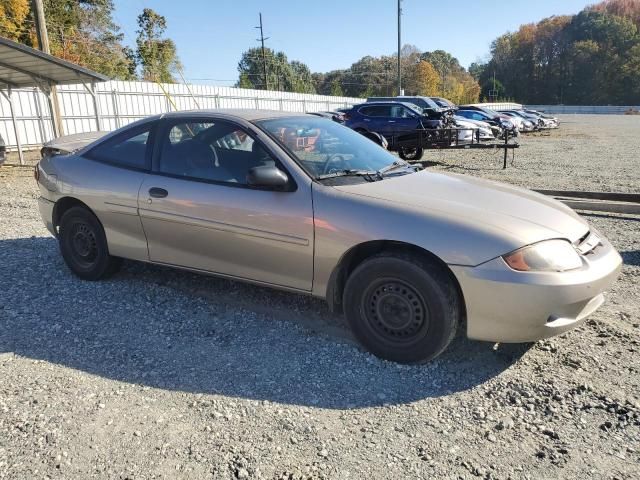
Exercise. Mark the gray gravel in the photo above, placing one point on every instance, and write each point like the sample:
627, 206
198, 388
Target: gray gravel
588, 152
164, 374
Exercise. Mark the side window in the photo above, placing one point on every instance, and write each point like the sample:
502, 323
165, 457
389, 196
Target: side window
183, 153
376, 111
398, 111
129, 151
210, 150
368, 111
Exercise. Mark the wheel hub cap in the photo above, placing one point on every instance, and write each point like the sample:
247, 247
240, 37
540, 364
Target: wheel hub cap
84, 244
395, 310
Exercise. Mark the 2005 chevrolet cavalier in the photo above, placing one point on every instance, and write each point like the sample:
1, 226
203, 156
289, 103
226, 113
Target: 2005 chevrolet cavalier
302, 203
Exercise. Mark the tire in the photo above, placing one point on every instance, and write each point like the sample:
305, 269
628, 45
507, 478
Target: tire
402, 308
411, 153
83, 245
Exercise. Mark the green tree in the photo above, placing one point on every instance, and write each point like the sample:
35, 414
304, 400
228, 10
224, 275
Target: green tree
282, 75
157, 56
476, 70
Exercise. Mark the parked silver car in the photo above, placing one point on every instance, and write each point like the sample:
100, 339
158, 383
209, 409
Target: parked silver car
483, 129
301, 203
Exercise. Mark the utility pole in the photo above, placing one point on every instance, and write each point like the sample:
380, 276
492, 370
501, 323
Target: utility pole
43, 44
264, 58
399, 47
41, 26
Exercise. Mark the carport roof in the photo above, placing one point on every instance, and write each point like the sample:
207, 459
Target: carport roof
22, 66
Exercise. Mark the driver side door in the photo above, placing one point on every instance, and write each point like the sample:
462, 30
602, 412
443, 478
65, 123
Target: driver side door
199, 212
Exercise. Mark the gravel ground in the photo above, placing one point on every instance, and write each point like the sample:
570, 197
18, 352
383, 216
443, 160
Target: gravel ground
165, 374
589, 152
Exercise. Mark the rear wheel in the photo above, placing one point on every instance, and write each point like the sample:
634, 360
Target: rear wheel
83, 245
411, 153
402, 308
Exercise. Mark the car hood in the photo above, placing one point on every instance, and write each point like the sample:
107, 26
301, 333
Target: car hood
472, 123
513, 213
76, 141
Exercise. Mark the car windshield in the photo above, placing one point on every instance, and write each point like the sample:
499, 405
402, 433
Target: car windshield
490, 113
430, 103
324, 147
415, 108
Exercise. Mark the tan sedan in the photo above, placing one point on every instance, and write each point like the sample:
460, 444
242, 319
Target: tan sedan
304, 204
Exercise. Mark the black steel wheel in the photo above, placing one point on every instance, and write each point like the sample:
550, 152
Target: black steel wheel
402, 307
395, 310
84, 246
409, 154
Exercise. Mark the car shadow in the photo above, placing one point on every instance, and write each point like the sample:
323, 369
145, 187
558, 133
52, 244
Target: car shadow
175, 330
631, 257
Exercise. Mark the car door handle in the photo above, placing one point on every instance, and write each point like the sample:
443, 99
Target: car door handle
367, 120
156, 192
391, 121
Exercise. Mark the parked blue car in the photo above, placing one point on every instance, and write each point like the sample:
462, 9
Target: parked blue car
393, 120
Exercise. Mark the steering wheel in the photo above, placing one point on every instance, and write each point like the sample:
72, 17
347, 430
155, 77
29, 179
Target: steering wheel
336, 157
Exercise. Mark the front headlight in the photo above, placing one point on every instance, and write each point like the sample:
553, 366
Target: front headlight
547, 256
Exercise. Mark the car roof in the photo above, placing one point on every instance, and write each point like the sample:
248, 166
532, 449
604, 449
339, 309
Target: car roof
248, 114
386, 102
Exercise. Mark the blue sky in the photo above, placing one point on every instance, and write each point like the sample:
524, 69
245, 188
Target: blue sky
330, 34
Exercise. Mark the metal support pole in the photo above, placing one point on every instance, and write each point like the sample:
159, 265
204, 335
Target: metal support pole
36, 98
399, 47
7, 95
116, 113
57, 127
96, 104
506, 140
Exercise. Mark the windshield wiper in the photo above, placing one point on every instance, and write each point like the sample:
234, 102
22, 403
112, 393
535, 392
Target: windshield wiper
392, 166
369, 175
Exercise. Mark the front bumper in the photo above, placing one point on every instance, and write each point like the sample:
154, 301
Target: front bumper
504, 305
46, 212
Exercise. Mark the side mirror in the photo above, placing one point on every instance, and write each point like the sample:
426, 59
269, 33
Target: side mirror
267, 176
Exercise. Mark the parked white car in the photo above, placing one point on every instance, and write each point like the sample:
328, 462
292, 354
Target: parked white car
485, 129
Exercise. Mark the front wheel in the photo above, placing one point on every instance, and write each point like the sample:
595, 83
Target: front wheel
402, 308
83, 245
410, 154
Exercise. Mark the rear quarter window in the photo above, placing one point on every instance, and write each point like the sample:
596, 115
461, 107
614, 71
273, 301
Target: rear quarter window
128, 150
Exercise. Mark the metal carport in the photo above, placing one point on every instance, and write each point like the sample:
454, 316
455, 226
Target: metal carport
22, 66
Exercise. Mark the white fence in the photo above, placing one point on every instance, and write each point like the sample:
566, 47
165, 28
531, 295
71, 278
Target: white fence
500, 106
585, 109
565, 109
120, 103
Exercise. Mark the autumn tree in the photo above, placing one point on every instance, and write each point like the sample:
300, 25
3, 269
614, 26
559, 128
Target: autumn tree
80, 31
588, 58
423, 79
13, 17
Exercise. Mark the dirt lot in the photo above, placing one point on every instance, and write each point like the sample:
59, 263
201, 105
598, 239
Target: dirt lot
164, 374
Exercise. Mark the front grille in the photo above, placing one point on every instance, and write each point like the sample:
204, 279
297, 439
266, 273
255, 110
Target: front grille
588, 243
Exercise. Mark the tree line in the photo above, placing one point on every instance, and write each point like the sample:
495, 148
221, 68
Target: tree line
591, 58
435, 73
84, 32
